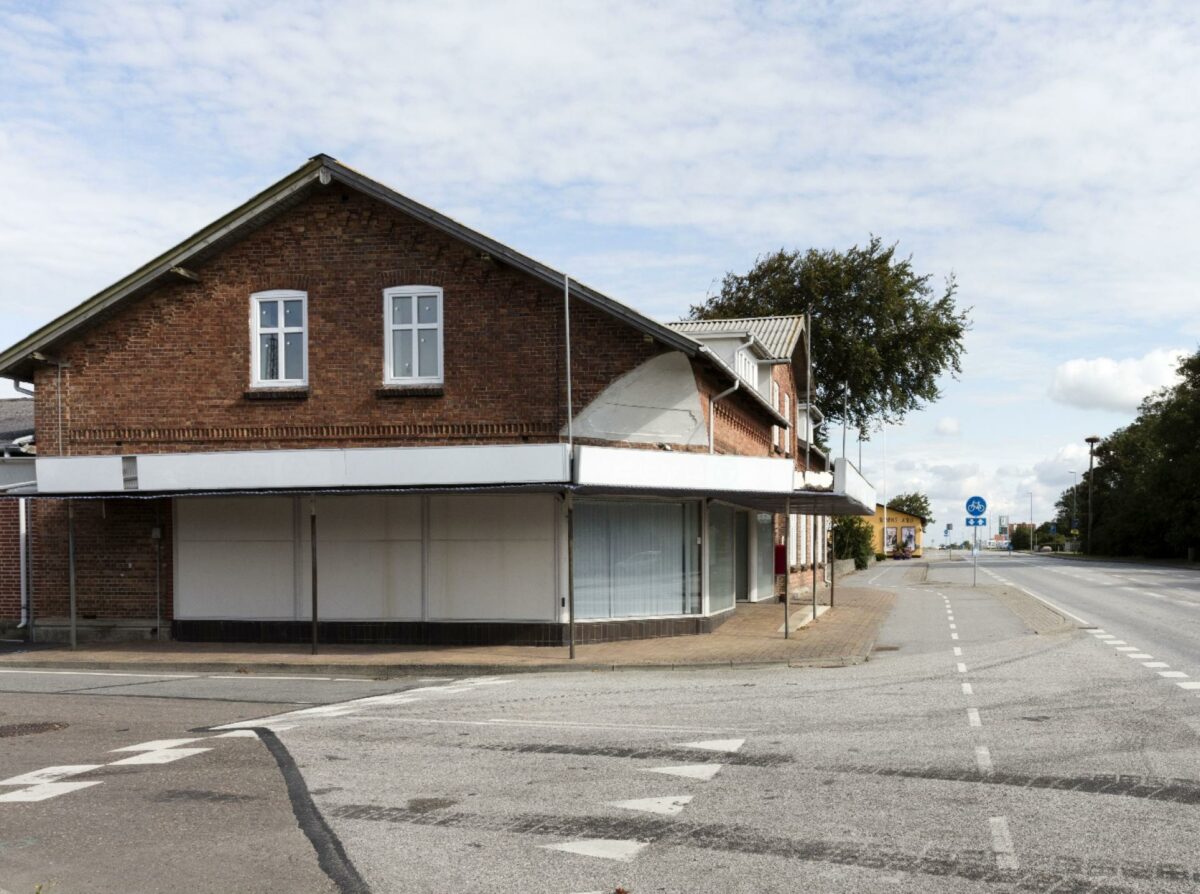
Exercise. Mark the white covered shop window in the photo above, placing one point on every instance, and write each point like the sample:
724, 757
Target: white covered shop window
413, 327
279, 338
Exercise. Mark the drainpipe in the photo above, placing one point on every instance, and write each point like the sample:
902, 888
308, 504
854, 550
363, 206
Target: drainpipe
712, 411
23, 545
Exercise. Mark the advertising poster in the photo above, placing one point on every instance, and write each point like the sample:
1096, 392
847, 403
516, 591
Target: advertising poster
889, 540
909, 537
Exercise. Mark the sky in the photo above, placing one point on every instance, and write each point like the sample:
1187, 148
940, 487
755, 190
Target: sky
1044, 153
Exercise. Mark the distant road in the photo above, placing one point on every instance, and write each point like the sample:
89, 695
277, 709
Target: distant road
1153, 607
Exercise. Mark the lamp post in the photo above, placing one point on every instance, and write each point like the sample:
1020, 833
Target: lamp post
1074, 498
1032, 529
1092, 441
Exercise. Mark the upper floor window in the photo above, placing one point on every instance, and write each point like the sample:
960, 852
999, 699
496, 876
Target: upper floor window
279, 349
775, 404
747, 369
786, 412
412, 335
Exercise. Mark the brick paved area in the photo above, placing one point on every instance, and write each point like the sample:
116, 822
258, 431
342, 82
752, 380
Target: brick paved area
844, 634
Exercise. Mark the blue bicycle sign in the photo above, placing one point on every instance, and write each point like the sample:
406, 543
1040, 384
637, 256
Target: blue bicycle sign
976, 506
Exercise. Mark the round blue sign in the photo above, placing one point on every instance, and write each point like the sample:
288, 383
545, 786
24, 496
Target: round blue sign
977, 506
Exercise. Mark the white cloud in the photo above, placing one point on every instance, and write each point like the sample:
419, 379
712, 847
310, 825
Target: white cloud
947, 426
1104, 383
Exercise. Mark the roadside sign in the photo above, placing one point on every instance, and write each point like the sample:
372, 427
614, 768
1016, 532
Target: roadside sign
976, 506
1053, 529
977, 522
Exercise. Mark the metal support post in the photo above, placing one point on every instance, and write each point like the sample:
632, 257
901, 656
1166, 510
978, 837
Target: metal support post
71, 566
814, 568
787, 566
975, 559
312, 503
833, 562
570, 504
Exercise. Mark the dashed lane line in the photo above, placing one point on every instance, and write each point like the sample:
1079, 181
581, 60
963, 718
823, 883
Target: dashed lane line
973, 717
966, 688
983, 759
670, 805
1002, 845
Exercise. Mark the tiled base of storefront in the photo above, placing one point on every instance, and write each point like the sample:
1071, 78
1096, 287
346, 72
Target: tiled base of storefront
440, 633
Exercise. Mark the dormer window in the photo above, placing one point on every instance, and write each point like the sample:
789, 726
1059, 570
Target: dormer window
279, 332
747, 368
412, 335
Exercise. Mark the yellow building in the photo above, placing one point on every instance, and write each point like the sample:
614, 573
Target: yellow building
903, 531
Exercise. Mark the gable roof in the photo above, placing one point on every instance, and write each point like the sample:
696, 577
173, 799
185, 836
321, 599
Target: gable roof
879, 506
778, 335
17, 362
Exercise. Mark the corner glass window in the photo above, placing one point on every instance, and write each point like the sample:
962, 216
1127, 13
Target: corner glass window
412, 335
279, 338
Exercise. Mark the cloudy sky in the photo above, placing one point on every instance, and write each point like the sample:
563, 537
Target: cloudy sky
1046, 154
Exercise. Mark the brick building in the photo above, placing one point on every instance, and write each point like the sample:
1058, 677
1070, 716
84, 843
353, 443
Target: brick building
485, 450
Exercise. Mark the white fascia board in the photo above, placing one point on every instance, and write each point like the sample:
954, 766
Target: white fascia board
356, 467
79, 474
847, 480
660, 469
813, 480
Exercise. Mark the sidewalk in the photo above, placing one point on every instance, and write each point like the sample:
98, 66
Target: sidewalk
840, 636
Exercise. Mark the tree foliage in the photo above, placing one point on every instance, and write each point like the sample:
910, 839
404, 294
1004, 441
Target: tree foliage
881, 334
915, 503
1145, 488
853, 539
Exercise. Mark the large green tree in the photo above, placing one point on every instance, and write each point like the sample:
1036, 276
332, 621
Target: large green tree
1144, 491
882, 334
915, 503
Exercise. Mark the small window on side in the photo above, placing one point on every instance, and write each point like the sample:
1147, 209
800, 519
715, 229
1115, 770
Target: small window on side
279, 339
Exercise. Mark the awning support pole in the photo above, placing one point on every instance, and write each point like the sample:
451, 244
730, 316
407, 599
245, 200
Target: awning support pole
814, 568
570, 504
832, 562
71, 566
312, 503
787, 566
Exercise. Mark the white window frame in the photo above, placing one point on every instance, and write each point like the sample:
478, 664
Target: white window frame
388, 327
277, 295
747, 368
786, 413
775, 404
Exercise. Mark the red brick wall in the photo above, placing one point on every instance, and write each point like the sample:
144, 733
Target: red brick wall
115, 557
10, 561
169, 370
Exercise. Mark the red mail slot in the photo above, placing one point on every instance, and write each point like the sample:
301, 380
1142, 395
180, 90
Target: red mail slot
780, 559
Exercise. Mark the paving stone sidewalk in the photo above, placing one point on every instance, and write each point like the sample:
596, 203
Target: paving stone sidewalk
845, 634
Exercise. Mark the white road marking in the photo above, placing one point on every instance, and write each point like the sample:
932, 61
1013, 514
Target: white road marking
1002, 844
953, 626
1057, 608
1172, 675
156, 745
237, 734
623, 850
71, 673
1115, 642
729, 746
1155, 664
1190, 684
962, 668
45, 791
954, 636
1129, 649
966, 688
166, 756
1138, 655
958, 651
50, 774
983, 759
689, 771
973, 717
1103, 636
669, 806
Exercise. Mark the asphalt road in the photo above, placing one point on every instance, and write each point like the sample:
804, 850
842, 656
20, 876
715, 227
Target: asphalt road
970, 755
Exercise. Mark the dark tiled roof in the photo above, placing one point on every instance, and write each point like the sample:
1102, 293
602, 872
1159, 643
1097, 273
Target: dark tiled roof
16, 419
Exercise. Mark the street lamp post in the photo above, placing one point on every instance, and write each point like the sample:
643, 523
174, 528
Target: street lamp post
1074, 498
1032, 529
1092, 441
